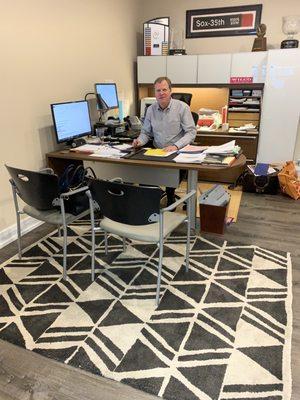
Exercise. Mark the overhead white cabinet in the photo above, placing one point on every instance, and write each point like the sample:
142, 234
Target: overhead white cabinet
214, 68
252, 64
151, 67
279, 70
182, 69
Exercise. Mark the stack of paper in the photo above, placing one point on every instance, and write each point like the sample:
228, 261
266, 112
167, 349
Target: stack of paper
108, 152
189, 158
217, 159
122, 147
86, 148
191, 149
225, 149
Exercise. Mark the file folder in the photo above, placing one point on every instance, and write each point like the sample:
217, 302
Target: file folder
261, 169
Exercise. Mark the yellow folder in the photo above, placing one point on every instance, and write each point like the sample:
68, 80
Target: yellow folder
157, 153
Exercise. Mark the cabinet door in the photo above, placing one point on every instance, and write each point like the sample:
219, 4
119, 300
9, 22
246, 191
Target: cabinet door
280, 109
182, 69
151, 67
249, 65
214, 68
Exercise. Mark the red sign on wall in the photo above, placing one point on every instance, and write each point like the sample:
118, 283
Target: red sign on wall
241, 79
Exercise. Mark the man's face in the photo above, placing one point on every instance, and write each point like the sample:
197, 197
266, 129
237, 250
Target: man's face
162, 93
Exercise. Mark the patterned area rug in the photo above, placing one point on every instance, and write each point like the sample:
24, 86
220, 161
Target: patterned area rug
222, 331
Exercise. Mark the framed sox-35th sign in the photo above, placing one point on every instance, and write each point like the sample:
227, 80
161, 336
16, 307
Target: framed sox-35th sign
225, 21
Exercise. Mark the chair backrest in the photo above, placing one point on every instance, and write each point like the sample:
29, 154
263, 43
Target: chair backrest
185, 97
195, 117
127, 203
36, 189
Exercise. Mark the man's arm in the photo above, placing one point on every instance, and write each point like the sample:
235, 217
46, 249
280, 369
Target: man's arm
188, 126
146, 132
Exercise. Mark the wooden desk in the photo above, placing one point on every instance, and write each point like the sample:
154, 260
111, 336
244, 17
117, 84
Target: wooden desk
58, 161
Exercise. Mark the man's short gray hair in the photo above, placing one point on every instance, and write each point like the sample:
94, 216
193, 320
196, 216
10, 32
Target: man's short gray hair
163, 78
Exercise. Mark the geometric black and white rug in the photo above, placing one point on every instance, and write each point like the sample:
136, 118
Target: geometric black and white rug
222, 331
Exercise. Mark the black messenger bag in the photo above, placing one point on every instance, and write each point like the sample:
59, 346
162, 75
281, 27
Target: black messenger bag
267, 184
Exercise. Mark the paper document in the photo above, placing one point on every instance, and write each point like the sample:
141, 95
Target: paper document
86, 148
122, 146
261, 169
222, 149
271, 170
158, 153
189, 158
192, 149
108, 152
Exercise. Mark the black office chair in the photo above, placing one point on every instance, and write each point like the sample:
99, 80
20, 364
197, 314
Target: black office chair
134, 212
44, 202
185, 97
195, 117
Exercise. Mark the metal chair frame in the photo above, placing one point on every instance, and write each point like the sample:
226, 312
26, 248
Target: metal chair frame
161, 221
66, 219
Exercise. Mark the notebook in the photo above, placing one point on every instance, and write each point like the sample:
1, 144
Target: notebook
261, 169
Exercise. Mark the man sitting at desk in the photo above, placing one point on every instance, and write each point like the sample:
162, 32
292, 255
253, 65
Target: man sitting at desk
168, 122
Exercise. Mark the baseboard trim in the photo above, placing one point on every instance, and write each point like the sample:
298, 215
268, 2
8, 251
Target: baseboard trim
9, 234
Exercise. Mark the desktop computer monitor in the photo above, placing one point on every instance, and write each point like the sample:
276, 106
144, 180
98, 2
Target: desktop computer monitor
71, 121
107, 96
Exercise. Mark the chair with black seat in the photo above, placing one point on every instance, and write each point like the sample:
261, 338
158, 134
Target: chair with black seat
44, 202
133, 212
185, 97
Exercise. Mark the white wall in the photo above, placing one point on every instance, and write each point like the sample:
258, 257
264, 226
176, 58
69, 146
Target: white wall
52, 51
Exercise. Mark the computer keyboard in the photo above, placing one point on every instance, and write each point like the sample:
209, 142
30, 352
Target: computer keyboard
131, 134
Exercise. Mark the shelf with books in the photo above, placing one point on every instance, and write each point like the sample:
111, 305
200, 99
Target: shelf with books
244, 100
244, 110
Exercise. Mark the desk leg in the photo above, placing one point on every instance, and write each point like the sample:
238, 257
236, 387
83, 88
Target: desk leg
192, 185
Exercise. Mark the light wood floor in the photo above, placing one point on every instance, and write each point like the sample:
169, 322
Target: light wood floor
268, 221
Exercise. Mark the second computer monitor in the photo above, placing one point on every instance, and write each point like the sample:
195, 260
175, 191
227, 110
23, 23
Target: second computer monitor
71, 121
107, 96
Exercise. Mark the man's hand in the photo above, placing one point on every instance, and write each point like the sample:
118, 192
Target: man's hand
136, 143
171, 148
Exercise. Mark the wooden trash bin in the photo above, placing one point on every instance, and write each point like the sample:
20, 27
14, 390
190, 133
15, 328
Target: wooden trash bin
213, 218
